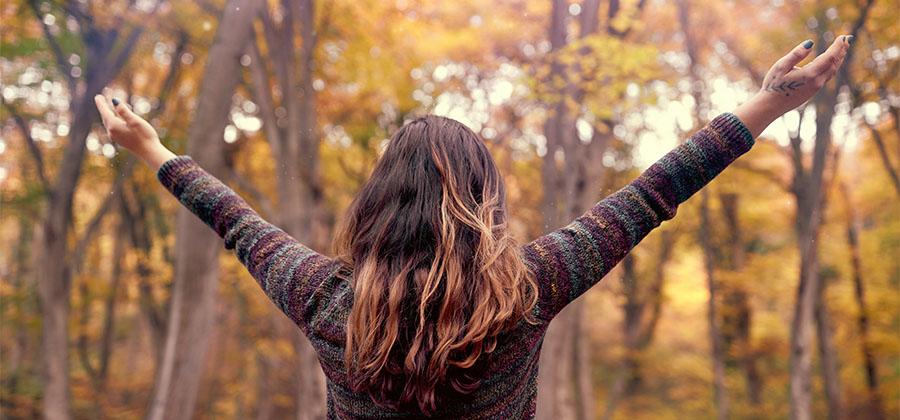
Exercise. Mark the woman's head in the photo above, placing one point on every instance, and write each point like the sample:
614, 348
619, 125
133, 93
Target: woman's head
436, 274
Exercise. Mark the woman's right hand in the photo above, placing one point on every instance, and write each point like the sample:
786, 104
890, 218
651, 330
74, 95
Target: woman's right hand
132, 132
787, 86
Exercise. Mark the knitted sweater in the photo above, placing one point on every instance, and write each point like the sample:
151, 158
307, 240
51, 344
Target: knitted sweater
566, 262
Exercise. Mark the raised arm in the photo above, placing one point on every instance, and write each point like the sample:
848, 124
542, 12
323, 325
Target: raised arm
571, 259
289, 273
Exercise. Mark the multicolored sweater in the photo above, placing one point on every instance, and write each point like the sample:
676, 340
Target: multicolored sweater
567, 262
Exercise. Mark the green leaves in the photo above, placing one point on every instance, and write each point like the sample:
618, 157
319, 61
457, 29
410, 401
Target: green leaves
598, 67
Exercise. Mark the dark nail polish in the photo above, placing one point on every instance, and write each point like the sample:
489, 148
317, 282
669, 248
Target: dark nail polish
115, 102
849, 39
808, 44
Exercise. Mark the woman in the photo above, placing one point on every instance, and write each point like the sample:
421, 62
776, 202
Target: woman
429, 306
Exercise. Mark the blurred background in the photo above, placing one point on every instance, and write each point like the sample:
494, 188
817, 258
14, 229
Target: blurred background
773, 293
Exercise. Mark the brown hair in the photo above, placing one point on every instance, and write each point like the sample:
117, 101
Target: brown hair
436, 273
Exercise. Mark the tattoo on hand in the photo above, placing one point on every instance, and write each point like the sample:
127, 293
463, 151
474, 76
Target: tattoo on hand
784, 87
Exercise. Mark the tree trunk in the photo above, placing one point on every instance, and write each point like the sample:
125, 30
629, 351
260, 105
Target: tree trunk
581, 367
565, 197
294, 144
809, 191
53, 262
197, 246
21, 355
718, 359
738, 317
99, 374
555, 399
265, 405
53, 288
873, 407
801, 326
311, 397
705, 229
629, 326
642, 309
565, 387
137, 225
54, 271
828, 357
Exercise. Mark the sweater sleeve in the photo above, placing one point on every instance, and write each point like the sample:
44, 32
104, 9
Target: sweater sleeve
570, 260
289, 273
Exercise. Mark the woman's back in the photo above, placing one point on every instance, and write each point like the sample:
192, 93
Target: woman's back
508, 375
317, 293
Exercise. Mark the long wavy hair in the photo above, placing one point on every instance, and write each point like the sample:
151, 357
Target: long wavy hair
436, 274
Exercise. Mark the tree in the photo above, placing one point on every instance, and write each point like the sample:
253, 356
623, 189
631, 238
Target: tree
572, 93
808, 188
104, 51
196, 268
705, 233
294, 144
874, 408
737, 314
642, 309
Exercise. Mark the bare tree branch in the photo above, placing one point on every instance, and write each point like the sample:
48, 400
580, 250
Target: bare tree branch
172, 76
843, 76
62, 63
745, 62
137, 226
32, 145
73, 8
125, 51
833, 175
857, 99
765, 173
259, 88
281, 49
357, 176
97, 219
885, 158
82, 346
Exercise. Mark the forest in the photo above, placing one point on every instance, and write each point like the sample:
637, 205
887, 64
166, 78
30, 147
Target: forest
774, 293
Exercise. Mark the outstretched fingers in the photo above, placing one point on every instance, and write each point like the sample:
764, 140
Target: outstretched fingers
826, 64
125, 112
106, 112
787, 63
